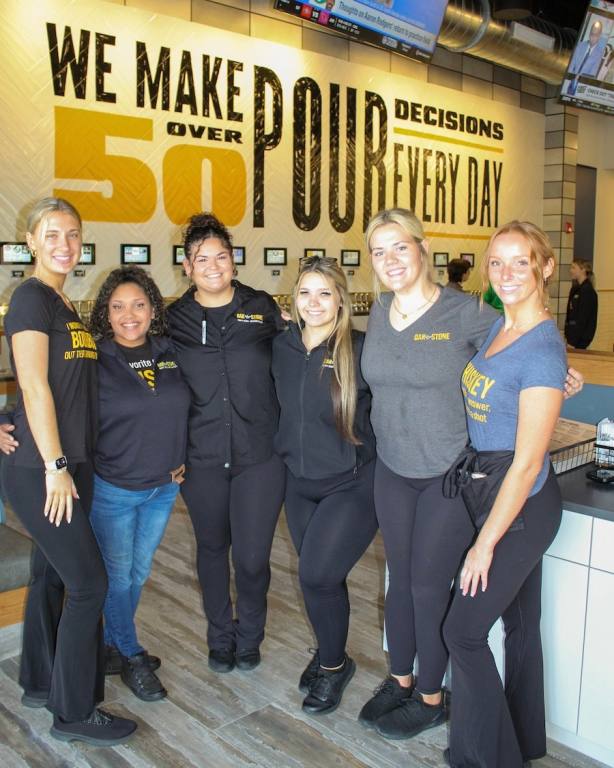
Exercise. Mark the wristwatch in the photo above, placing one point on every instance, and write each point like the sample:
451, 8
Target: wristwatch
58, 465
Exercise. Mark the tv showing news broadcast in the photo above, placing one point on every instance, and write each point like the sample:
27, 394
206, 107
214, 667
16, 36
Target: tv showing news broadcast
589, 80
404, 26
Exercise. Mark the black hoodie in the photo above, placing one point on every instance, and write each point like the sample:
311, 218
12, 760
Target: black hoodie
234, 411
308, 440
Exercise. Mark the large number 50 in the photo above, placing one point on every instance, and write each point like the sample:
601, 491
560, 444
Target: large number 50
81, 154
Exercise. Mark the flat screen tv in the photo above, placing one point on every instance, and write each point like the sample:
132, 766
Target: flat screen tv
589, 80
407, 27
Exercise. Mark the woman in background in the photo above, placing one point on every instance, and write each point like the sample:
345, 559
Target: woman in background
518, 377
581, 318
48, 482
143, 417
234, 485
326, 441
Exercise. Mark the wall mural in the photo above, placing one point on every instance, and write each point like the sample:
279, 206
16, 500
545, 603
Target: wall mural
141, 120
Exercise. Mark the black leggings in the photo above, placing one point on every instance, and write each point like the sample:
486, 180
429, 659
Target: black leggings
62, 655
425, 536
332, 522
491, 728
236, 507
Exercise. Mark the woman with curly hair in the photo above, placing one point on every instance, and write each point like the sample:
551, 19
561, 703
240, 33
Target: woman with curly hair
223, 332
142, 396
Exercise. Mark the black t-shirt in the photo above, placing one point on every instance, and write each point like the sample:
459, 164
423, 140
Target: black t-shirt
35, 306
140, 360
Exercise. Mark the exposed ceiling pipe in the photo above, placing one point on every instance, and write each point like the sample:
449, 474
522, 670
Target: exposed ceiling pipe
468, 27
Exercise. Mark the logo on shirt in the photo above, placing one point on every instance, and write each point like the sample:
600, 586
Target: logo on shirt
167, 364
476, 387
244, 317
445, 336
328, 362
82, 342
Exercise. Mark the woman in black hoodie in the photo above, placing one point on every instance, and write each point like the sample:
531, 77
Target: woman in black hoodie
327, 444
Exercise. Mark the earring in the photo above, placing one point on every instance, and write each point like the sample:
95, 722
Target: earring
33, 252
235, 271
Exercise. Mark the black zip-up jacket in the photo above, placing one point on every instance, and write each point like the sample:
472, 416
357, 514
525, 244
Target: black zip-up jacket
142, 432
308, 440
234, 412
581, 319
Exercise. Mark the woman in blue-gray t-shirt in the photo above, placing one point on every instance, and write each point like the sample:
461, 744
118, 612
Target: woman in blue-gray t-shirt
513, 391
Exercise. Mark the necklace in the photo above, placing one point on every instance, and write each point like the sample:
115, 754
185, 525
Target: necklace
405, 315
520, 326
62, 295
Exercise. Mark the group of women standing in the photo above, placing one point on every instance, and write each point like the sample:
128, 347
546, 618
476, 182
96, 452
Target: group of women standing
276, 413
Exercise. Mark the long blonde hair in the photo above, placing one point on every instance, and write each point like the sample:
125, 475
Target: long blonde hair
540, 253
411, 225
340, 347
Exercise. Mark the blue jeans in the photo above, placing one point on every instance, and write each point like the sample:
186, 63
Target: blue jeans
129, 526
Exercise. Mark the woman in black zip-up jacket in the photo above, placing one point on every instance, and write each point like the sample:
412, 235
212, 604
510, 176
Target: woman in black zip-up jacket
234, 485
326, 441
143, 405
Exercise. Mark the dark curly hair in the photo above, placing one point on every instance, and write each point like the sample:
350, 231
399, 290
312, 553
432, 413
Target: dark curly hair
99, 319
200, 227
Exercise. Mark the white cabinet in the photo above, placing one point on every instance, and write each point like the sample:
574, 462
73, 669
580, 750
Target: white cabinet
597, 700
573, 541
578, 635
563, 611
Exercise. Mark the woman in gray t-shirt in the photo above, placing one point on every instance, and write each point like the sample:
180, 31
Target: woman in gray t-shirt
419, 339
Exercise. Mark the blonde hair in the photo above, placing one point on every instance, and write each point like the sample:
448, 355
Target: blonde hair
340, 347
586, 267
45, 207
411, 225
540, 252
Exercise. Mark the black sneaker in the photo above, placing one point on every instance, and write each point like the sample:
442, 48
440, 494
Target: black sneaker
310, 672
411, 718
326, 691
113, 661
388, 695
222, 659
100, 729
248, 659
34, 700
138, 676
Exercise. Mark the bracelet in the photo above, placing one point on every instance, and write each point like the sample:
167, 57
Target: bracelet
56, 471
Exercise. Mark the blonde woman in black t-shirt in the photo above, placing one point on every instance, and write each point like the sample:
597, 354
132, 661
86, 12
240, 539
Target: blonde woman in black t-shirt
48, 482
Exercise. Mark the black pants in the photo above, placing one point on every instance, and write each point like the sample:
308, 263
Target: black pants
62, 654
490, 727
236, 508
425, 536
332, 522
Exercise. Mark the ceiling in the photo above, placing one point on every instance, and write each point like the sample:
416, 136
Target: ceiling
563, 13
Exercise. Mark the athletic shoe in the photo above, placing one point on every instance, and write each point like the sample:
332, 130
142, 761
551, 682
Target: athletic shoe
248, 659
139, 677
100, 729
411, 718
113, 661
326, 691
388, 695
34, 700
310, 672
222, 659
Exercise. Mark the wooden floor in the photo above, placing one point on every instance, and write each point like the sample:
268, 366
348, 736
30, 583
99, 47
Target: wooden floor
239, 719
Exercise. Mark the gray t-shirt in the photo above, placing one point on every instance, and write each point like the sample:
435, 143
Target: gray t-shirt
418, 413
492, 386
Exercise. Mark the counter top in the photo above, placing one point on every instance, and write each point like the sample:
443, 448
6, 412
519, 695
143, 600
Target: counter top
586, 497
